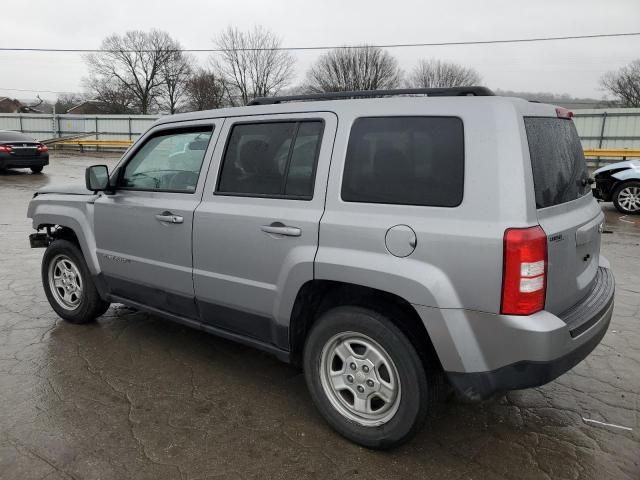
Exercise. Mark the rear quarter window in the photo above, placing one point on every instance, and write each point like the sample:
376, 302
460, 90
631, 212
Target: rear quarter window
557, 161
405, 161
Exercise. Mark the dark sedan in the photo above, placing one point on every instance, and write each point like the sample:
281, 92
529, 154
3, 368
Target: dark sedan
18, 150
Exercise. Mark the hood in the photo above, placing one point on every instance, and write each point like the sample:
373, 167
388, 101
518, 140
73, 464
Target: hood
69, 189
614, 166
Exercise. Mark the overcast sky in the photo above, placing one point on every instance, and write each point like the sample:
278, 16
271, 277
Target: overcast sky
572, 66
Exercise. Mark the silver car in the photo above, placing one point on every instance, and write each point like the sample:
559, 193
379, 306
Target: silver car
390, 246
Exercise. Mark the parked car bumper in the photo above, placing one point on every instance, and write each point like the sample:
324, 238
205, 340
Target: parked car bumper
8, 160
598, 193
489, 353
604, 187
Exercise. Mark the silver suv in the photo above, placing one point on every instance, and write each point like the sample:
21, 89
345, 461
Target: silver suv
389, 246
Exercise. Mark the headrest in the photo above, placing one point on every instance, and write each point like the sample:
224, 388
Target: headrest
198, 145
254, 159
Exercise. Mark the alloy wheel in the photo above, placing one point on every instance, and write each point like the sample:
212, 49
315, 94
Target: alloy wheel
629, 198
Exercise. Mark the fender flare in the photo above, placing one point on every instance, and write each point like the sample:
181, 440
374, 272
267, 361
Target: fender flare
72, 217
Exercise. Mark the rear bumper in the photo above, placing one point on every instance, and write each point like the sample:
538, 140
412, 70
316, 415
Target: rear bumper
12, 161
484, 354
527, 373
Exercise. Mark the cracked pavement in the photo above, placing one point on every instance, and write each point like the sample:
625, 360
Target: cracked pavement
134, 396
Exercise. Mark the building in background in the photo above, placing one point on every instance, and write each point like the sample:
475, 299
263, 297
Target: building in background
90, 107
11, 105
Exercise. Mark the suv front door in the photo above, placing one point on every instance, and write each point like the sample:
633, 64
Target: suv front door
256, 230
143, 230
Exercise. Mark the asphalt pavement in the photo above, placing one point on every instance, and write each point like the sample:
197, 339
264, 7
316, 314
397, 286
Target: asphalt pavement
134, 396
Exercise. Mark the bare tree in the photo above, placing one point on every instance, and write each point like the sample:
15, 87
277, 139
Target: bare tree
624, 84
440, 74
66, 101
251, 64
37, 102
133, 61
362, 68
175, 72
114, 97
205, 91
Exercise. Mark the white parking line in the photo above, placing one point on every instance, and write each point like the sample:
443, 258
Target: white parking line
588, 420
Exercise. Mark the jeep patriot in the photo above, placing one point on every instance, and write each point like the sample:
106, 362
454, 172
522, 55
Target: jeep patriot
390, 243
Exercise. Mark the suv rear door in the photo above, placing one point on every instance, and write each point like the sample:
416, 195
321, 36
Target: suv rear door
566, 209
256, 231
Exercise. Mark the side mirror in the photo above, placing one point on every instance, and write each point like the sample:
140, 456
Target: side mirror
96, 178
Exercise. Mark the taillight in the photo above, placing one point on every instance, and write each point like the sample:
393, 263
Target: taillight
524, 276
42, 148
564, 113
5, 149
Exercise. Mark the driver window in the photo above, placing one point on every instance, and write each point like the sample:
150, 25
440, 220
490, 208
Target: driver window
169, 161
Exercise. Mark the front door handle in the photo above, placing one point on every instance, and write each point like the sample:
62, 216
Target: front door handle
168, 217
278, 228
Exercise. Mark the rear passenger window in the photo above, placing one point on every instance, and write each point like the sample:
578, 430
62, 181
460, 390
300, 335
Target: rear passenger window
275, 159
406, 161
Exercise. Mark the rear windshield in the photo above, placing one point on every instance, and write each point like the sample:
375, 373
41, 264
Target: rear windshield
557, 160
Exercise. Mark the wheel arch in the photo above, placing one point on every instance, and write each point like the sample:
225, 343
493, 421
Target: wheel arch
316, 297
72, 222
618, 187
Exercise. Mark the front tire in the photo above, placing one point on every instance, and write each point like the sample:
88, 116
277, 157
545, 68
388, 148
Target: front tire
366, 377
626, 197
37, 169
68, 284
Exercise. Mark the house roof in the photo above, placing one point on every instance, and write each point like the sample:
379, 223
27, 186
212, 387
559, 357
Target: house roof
86, 102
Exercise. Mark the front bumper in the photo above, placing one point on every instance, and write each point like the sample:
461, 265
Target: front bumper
8, 160
603, 188
598, 193
483, 354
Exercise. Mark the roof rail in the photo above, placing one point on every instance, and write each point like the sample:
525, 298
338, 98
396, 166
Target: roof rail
430, 92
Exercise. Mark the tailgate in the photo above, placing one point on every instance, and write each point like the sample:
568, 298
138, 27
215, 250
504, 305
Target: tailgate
566, 210
573, 249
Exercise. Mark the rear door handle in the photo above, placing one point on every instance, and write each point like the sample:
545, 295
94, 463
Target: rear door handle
168, 217
278, 228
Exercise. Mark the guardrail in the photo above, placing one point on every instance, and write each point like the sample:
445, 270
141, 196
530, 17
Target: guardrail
97, 144
610, 155
611, 152
614, 154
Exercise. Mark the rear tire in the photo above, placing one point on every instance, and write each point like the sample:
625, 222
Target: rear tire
68, 284
37, 169
353, 349
626, 197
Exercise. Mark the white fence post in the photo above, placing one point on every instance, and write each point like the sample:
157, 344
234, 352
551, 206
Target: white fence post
53, 122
